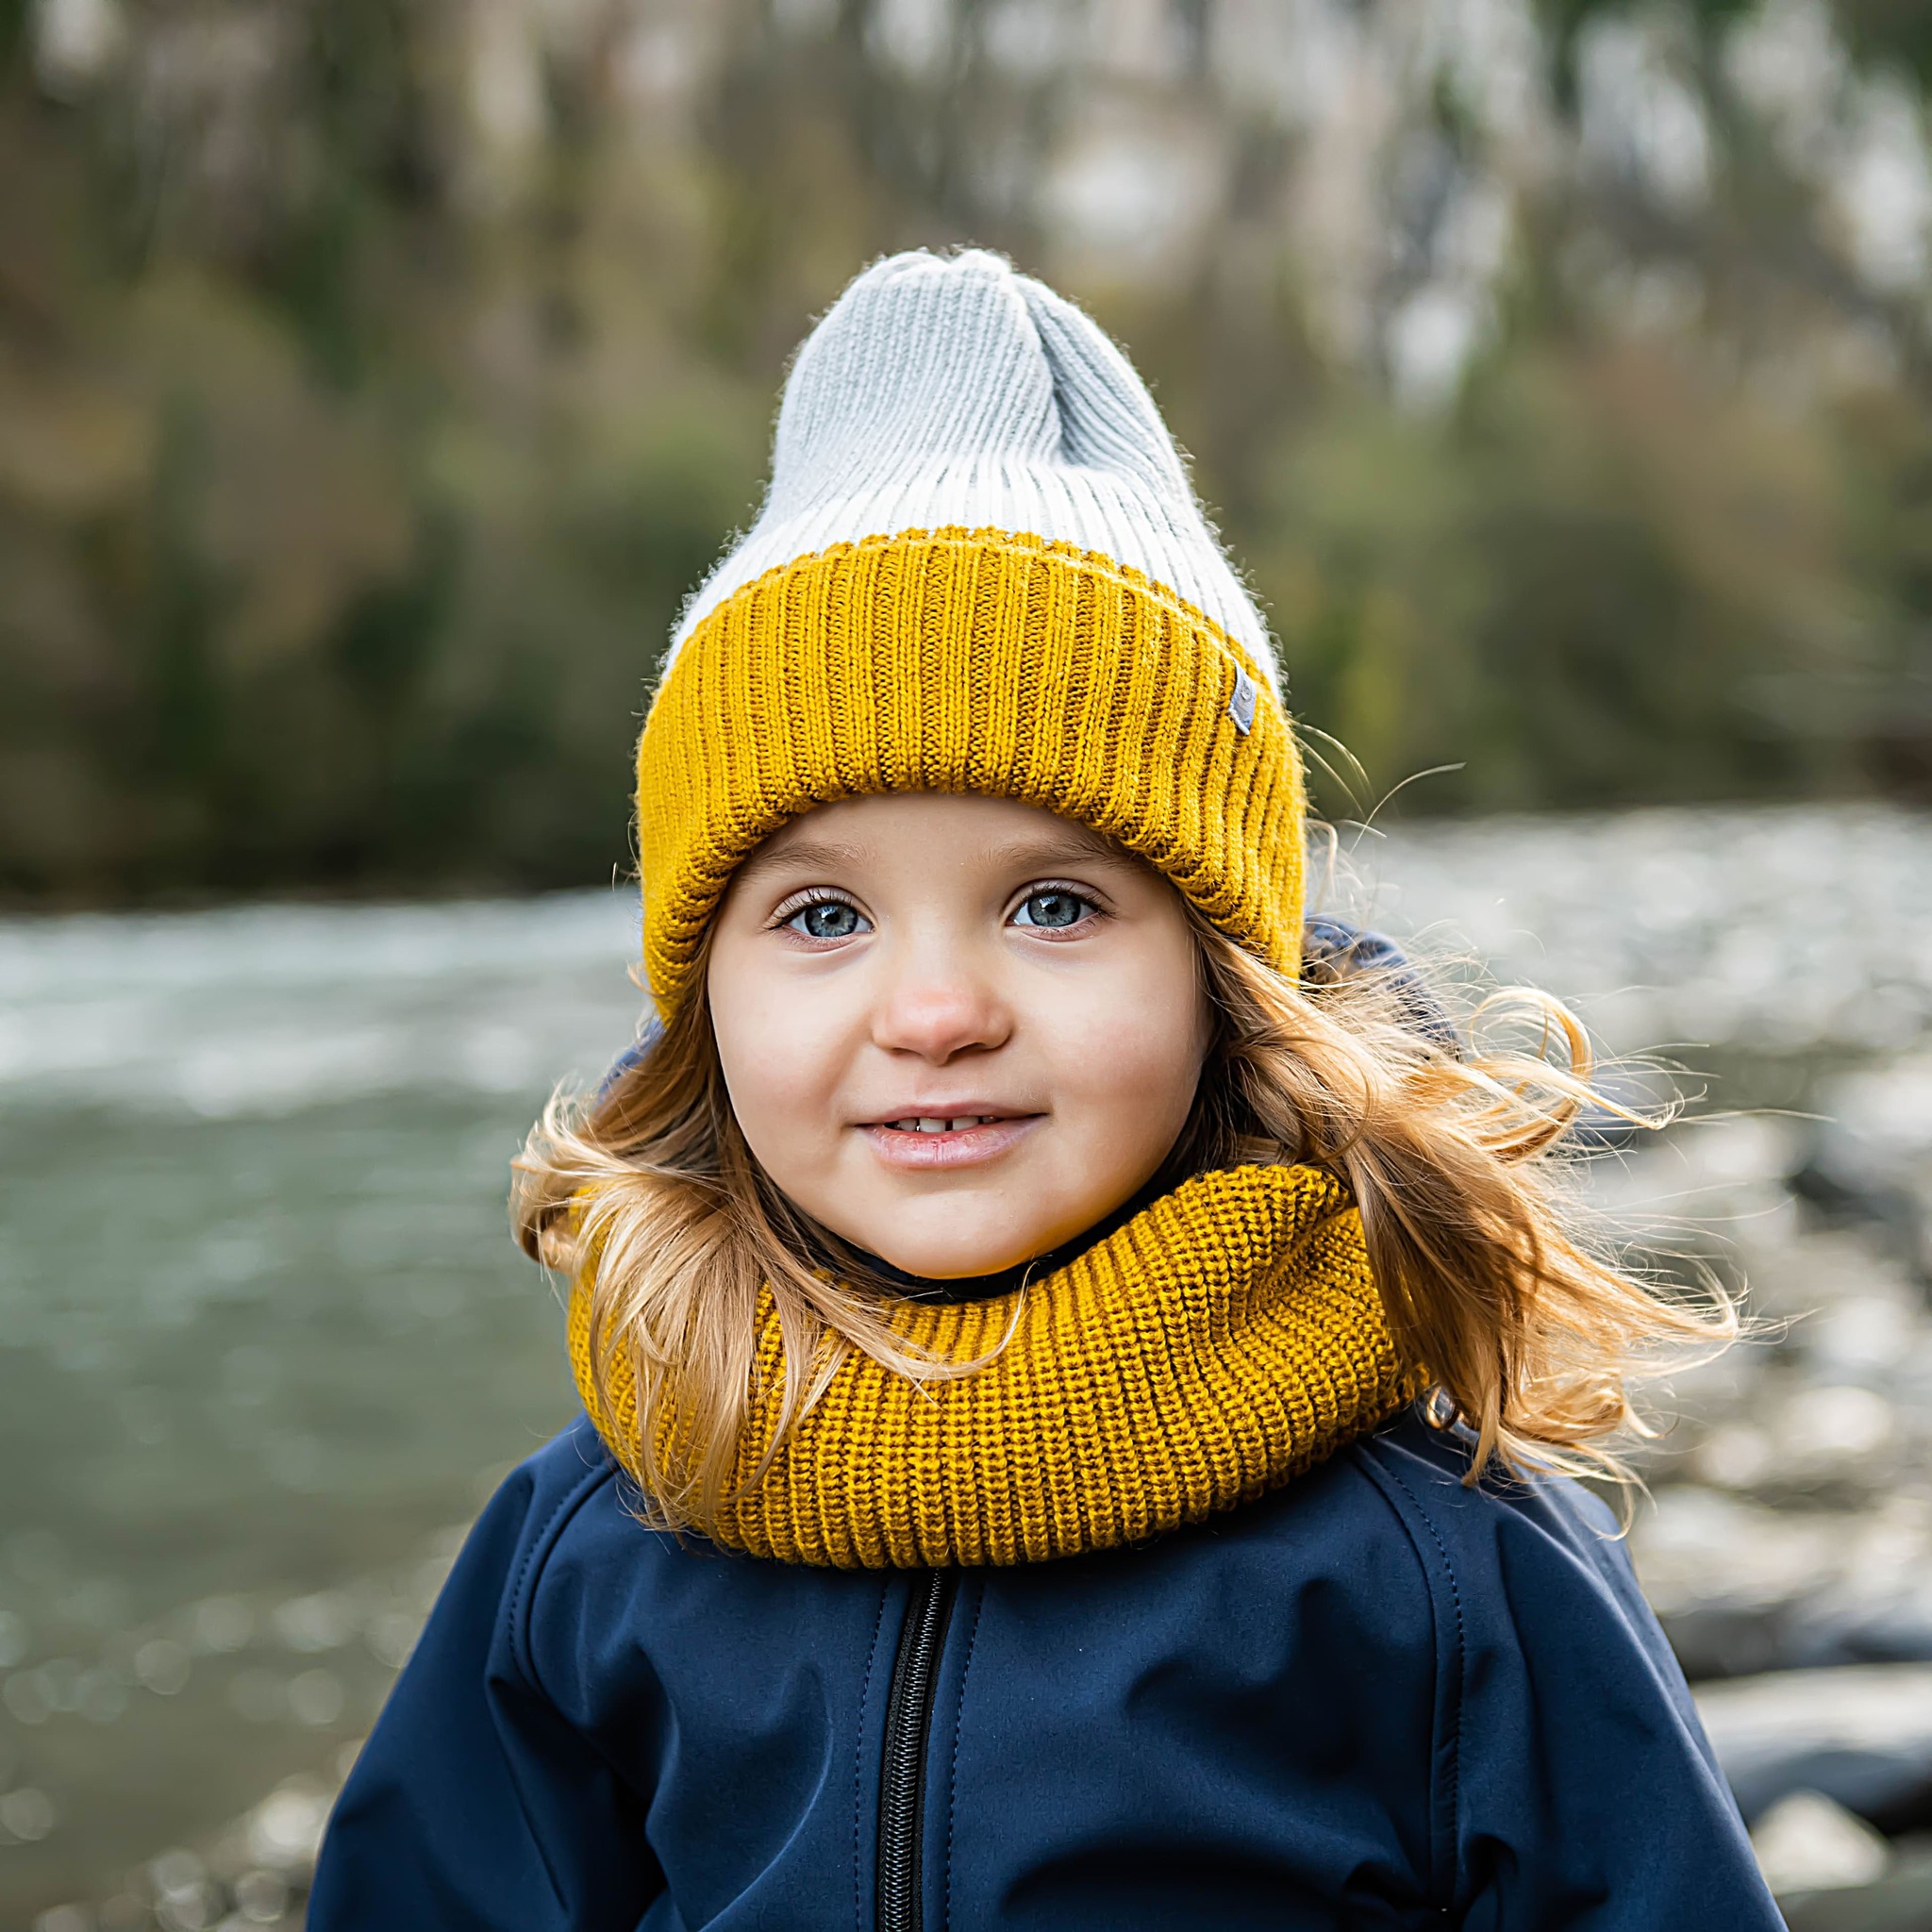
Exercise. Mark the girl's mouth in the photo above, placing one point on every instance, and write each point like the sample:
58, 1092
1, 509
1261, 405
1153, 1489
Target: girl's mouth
961, 1139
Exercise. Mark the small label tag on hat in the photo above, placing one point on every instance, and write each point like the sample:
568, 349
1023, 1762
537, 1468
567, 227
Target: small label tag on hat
1241, 707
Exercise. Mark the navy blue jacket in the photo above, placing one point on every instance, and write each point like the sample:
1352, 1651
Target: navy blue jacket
1374, 1699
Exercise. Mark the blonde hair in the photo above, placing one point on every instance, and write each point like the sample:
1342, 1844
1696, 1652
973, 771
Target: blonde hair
1532, 1332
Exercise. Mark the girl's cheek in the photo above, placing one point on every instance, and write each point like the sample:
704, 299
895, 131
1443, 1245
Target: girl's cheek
1141, 1021
783, 1056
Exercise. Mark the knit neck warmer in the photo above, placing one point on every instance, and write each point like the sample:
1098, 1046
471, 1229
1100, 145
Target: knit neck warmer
1225, 1339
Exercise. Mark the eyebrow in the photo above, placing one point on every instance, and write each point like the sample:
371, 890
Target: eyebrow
1072, 843
809, 855
1075, 844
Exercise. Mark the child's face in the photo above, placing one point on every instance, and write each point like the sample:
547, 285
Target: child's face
886, 964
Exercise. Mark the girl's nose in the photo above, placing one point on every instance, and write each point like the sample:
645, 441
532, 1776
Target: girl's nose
938, 1013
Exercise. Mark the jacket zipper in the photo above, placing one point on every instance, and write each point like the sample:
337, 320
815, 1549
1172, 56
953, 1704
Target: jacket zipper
898, 1900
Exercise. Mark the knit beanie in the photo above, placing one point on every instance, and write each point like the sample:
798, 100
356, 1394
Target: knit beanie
979, 567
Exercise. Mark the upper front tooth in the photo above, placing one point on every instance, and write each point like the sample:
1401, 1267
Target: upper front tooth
965, 1120
927, 1125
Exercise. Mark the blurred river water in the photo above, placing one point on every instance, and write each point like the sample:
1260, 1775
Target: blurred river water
265, 1344
264, 1341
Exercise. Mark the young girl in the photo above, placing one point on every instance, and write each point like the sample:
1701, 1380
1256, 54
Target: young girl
1078, 1380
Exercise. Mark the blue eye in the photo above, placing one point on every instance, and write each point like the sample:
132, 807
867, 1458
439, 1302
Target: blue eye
827, 919
1053, 910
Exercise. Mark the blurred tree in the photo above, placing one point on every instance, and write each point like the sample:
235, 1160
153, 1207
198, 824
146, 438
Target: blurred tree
375, 377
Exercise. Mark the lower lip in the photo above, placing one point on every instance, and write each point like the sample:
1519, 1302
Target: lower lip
965, 1147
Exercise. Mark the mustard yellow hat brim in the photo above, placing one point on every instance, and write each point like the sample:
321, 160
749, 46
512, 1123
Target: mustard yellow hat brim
968, 660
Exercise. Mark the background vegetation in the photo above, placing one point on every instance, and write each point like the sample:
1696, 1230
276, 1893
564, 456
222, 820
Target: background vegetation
376, 375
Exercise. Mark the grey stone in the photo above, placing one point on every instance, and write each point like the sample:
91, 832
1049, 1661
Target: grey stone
1861, 1735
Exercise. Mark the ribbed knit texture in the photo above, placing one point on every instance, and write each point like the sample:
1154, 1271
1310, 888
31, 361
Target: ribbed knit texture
1222, 1341
966, 661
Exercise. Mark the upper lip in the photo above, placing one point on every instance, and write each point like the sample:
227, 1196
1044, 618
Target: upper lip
949, 1110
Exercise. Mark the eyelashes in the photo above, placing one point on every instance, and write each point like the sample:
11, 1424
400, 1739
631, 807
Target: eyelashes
1055, 909
1048, 907
823, 917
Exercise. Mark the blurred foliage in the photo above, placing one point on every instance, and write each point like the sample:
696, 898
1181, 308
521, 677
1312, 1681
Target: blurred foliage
375, 377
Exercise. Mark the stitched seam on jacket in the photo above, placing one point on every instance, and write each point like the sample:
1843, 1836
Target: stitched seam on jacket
528, 1572
1461, 1668
871, 1657
953, 1757
522, 1591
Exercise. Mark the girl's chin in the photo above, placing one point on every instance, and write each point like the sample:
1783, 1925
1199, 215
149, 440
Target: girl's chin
962, 1241
969, 1249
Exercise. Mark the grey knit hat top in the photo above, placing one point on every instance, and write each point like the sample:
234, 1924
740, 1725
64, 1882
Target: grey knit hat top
944, 390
